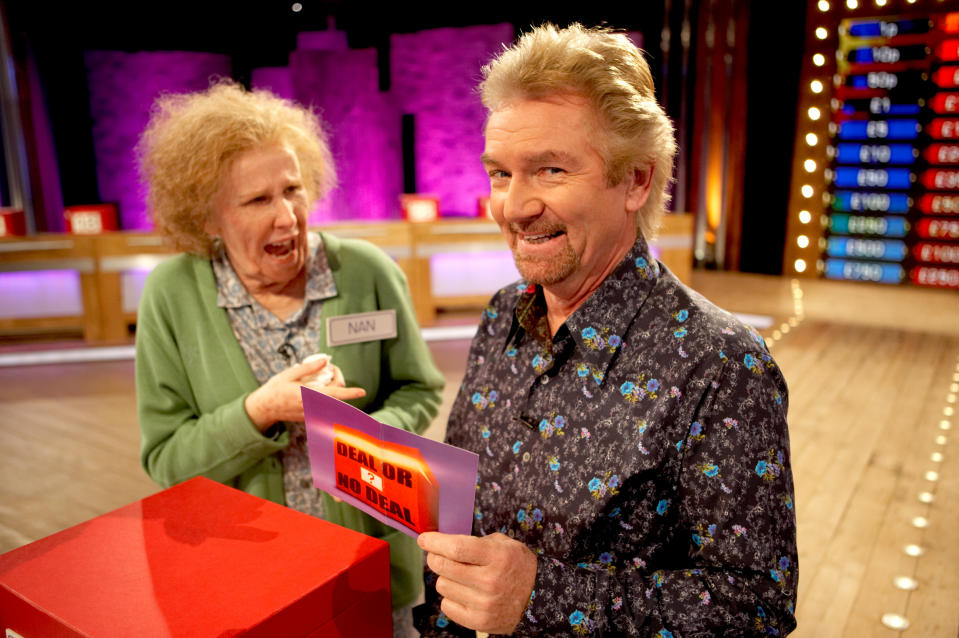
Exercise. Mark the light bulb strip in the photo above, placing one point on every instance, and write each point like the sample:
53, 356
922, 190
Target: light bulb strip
909, 582
802, 250
791, 322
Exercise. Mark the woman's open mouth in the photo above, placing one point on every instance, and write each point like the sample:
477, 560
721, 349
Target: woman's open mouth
282, 248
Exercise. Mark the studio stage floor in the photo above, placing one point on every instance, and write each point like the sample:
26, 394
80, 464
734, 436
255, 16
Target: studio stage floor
873, 374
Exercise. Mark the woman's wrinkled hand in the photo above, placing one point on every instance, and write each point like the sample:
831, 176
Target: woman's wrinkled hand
279, 399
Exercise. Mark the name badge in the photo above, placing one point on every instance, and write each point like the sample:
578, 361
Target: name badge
363, 326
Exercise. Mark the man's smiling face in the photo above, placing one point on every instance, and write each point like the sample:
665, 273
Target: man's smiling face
566, 226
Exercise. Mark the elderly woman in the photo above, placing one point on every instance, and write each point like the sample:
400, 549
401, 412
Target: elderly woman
223, 330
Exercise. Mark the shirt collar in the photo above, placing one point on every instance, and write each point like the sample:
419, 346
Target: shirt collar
231, 293
598, 325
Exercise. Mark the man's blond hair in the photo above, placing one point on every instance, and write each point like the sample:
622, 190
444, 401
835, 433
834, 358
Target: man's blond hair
608, 70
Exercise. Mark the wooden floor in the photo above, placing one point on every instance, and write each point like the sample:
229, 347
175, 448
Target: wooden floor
873, 374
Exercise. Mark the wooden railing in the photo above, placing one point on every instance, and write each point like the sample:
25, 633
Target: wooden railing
101, 260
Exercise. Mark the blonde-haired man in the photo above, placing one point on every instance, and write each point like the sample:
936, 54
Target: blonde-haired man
634, 472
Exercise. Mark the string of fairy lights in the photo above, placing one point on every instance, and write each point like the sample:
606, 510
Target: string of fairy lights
798, 314
802, 250
927, 499
931, 476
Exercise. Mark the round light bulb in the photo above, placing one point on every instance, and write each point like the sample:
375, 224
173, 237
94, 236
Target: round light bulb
816, 86
800, 265
802, 241
895, 621
814, 113
807, 191
822, 33
905, 583
812, 139
819, 59
805, 216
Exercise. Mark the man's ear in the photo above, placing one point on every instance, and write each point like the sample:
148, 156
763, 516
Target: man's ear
639, 186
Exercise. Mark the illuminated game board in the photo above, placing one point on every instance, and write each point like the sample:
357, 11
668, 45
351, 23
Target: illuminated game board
876, 173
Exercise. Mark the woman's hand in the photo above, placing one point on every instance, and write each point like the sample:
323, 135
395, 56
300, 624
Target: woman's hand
279, 399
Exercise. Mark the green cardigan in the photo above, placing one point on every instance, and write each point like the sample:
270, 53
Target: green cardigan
192, 378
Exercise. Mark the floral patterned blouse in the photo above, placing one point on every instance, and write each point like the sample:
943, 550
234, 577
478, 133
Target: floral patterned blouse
641, 452
272, 345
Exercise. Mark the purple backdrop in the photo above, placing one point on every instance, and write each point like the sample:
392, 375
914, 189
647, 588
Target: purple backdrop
122, 88
276, 79
434, 77
364, 129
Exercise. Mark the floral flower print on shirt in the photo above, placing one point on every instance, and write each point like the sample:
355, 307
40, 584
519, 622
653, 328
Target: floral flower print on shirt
684, 462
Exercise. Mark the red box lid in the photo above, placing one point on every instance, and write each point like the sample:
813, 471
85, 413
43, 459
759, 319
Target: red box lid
90, 219
198, 559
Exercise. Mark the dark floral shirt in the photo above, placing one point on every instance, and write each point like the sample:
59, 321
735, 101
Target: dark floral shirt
642, 453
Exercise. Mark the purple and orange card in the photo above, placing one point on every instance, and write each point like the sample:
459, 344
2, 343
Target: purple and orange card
405, 480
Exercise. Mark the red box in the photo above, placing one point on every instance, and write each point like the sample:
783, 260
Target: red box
12, 223
199, 559
90, 220
420, 208
482, 208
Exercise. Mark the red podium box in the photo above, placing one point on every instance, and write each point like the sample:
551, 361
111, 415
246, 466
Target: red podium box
420, 208
12, 223
91, 219
198, 559
482, 208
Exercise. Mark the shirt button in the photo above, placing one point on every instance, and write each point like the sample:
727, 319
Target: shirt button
526, 457
544, 379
